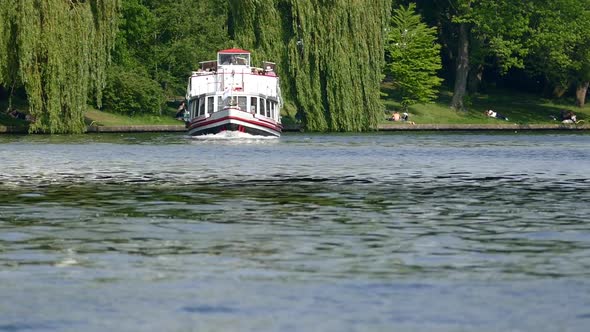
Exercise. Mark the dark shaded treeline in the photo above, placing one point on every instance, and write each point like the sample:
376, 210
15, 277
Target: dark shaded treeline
534, 46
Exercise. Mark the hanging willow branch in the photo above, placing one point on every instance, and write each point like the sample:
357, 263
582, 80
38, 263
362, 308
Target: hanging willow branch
330, 55
58, 50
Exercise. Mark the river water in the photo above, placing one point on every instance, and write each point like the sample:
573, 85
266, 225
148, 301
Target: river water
364, 232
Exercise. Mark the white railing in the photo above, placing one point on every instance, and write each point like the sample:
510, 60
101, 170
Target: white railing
244, 82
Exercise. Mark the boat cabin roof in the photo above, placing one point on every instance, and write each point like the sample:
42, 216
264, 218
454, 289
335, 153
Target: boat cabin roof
233, 56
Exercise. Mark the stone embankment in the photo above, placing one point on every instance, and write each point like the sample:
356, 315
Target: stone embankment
136, 129
109, 129
296, 128
501, 127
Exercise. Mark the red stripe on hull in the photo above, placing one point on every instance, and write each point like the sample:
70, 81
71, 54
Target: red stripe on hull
259, 122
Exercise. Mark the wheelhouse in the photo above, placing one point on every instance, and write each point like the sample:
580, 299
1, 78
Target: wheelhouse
234, 56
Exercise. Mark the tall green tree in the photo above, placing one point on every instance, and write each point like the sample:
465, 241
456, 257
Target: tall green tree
330, 55
188, 31
473, 32
561, 45
59, 51
167, 38
159, 44
413, 57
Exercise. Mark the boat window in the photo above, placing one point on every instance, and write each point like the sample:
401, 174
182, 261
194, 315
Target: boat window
210, 103
262, 108
201, 106
242, 100
273, 108
268, 108
193, 107
253, 104
235, 59
219, 103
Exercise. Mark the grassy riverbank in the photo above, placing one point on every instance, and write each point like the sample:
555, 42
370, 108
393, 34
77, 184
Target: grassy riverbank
521, 109
96, 118
99, 118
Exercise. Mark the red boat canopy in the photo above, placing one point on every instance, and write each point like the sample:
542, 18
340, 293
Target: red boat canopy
234, 50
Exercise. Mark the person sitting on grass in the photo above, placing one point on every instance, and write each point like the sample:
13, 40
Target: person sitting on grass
395, 117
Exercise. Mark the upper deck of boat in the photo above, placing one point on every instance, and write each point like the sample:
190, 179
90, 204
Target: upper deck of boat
232, 70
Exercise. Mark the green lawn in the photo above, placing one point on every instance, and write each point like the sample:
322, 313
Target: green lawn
96, 117
518, 107
100, 118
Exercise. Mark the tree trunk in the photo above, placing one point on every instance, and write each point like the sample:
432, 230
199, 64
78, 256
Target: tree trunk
475, 78
462, 71
581, 91
559, 91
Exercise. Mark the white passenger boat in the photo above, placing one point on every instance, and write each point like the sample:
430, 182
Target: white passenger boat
231, 95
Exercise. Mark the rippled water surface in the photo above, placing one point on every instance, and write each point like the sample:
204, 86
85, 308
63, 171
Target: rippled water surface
372, 232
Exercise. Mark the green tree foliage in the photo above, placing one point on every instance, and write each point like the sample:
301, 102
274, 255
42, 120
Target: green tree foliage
413, 57
561, 44
59, 51
131, 93
497, 30
167, 38
135, 38
330, 55
188, 32
500, 30
130, 88
478, 34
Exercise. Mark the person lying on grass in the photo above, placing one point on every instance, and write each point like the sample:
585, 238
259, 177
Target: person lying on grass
494, 114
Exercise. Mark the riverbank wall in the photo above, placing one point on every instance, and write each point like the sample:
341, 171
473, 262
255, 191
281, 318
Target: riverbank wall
481, 127
382, 127
136, 129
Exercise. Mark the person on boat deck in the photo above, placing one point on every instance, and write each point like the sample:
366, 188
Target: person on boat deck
494, 114
269, 72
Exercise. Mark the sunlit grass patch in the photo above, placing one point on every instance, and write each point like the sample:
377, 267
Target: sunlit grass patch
100, 118
519, 107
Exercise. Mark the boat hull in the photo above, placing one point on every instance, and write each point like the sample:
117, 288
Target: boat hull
234, 120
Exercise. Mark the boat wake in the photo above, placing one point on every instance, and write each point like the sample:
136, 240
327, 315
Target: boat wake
233, 136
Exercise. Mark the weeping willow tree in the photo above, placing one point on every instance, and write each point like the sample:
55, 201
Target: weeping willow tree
330, 54
58, 51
